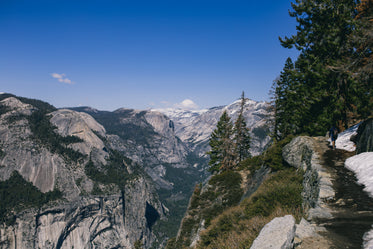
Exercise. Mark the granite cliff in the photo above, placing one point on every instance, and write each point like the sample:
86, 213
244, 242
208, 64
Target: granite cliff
68, 152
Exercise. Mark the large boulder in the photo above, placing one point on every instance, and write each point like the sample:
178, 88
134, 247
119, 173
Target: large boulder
305, 230
279, 233
364, 137
298, 152
303, 153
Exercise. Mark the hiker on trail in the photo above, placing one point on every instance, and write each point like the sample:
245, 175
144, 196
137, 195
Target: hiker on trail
333, 134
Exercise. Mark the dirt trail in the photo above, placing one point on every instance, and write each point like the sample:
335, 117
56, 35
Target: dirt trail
352, 207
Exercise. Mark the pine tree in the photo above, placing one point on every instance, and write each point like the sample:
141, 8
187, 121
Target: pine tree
222, 151
360, 65
323, 30
289, 106
241, 134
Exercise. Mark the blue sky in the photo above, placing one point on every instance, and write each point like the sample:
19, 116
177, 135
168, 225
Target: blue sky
142, 54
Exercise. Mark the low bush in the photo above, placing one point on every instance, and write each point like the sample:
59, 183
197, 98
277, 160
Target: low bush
272, 157
238, 226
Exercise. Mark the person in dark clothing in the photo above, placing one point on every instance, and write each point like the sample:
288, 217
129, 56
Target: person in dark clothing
333, 134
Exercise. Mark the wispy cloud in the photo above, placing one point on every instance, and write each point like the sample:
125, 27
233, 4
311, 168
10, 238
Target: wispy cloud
62, 78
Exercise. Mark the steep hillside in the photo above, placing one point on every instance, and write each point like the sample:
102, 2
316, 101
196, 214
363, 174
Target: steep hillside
229, 210
295, 195
79, 191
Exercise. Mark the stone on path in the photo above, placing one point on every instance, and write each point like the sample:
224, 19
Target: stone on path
279, 233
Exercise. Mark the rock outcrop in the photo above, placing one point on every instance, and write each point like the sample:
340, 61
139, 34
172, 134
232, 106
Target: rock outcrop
114, 221
33, 161
279, 233
302, 153
82, 125
364, 137
305, 230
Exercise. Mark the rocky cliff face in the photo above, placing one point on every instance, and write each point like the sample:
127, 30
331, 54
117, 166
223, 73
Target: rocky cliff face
146, 137
114, 221
94, 212
32, 160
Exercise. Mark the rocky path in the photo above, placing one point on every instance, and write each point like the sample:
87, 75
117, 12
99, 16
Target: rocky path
352, 208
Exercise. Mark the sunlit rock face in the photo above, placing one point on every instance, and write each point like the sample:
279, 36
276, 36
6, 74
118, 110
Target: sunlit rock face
114, 221
114, 218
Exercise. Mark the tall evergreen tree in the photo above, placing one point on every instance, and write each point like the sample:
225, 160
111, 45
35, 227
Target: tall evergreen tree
323, 30
241, 134
360, 65
288, 102
222, 149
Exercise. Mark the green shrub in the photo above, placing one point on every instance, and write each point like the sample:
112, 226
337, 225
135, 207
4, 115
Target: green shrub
281, 191
272, 157
194, 201
223, 192
138, 244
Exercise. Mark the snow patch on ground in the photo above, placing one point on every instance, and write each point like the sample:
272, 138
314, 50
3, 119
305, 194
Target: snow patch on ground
368, 240
362, 165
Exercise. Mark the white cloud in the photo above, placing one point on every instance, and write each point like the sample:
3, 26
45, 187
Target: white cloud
57, 75
61, 78
187, 104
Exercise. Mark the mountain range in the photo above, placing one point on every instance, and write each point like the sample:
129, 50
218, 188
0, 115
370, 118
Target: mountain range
108, 179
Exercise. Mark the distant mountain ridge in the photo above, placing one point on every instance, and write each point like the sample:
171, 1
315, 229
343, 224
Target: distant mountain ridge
194, 127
